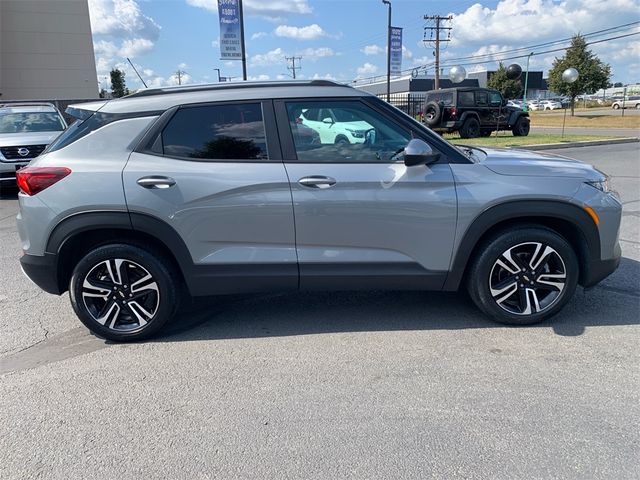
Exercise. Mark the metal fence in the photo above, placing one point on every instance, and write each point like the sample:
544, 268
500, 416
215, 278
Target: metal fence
410, 103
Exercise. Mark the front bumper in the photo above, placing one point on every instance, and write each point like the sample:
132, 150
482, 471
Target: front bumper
43, 271
598, 270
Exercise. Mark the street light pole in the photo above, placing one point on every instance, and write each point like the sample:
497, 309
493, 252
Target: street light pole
388, 3
526, 85
218, 70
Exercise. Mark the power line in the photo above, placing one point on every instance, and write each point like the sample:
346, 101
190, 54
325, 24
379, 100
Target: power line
499, 56
437, 29
293, 66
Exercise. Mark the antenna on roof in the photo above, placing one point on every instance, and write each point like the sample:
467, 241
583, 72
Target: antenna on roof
134, 69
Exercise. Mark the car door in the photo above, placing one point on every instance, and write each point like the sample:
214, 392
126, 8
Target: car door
214, 174
482, 107
364, 219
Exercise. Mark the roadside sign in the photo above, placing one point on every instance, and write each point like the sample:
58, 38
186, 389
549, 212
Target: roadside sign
396, 50
230, 30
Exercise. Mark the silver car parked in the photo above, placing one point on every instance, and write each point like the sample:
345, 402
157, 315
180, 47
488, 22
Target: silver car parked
25, 131
209, 190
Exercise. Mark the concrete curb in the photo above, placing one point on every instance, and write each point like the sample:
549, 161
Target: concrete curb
586, 143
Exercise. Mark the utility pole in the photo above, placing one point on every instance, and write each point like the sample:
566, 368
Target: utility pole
179, 74
388, 3
437, 28
244, 50
293, 66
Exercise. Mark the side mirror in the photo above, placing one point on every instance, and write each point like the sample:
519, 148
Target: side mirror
418, 152
327, 120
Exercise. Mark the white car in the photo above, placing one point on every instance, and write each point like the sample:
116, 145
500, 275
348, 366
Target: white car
25, 131
550, 105
534, 105
336, 125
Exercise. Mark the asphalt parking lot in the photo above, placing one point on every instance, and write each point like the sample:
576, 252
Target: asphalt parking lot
329, 385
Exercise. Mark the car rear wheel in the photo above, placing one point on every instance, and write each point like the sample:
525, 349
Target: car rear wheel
523, 276
470, 129
637, 106
123, 293
521, 127
615, 106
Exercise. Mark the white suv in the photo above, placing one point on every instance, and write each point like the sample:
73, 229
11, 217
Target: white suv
336, 125
25, 131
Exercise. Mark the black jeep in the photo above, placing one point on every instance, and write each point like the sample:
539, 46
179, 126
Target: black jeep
473, 112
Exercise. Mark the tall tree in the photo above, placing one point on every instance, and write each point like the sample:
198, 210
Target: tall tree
118, 85
499, 81
593, 73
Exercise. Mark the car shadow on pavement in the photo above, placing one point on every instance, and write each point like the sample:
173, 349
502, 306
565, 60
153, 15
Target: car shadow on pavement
614, 302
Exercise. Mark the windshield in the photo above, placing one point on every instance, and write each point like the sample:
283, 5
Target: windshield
30, 122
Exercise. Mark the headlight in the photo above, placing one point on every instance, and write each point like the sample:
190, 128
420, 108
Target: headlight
356, 133
602, 185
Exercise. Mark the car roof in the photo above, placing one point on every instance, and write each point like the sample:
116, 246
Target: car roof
160, 99
27, 108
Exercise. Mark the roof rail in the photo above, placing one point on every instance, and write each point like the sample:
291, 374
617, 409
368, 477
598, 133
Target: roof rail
146, 92
27, 104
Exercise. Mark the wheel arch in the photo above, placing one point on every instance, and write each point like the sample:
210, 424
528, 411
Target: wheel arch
77, 235
568, 220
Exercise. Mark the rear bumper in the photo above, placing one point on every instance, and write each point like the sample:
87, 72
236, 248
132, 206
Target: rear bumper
43, 271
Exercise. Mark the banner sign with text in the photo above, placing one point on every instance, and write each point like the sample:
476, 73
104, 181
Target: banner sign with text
396, 50
230, 30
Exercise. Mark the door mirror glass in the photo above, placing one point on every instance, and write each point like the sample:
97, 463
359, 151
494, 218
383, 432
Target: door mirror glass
327, 120
418, 152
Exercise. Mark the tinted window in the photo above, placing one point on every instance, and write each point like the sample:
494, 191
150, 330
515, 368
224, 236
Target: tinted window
360, 133
445, 97
217, 132
481, 99
18, 122
495, 99
79, 129
465, 99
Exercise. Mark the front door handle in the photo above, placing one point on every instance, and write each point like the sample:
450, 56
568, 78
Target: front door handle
317, 181
156, 182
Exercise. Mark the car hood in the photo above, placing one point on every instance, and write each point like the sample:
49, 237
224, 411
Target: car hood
27, 138
359, 126
507, 161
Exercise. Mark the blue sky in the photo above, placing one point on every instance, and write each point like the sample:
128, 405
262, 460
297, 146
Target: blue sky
344, 40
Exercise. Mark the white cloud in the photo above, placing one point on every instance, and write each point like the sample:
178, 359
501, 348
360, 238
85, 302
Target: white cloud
182, 66
267, 59
326, 76
121, 18
314, 54
260, 78
406, 53
258, 35
135, 47
518, 21
373, 50
103, 47
271, 9
310, 32
367, 69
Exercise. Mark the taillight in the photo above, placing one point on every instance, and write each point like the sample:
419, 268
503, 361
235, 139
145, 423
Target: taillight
32, 180
454, 112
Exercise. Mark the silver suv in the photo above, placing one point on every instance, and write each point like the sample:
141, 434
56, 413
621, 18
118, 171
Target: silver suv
210, 190
25, 131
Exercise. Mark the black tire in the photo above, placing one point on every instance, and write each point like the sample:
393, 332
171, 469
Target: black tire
521, 127
470, 129
141, 312
615, 106
432, 114
484, 281
342, 140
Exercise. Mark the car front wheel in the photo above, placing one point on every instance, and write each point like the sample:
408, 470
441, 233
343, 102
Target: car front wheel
523, 276
123, 293
522, 127
616, 106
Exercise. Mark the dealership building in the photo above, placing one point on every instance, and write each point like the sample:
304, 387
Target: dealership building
46, 50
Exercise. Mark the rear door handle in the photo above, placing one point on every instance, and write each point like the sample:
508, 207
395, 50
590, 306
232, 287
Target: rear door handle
317, 181
156, 182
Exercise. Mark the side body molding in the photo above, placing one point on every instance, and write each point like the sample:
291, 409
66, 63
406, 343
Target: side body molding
524, 210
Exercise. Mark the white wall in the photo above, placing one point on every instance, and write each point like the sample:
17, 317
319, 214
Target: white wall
46, 50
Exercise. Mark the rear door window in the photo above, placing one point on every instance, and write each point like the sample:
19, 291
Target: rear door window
216, 132
465, 99
481, 99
